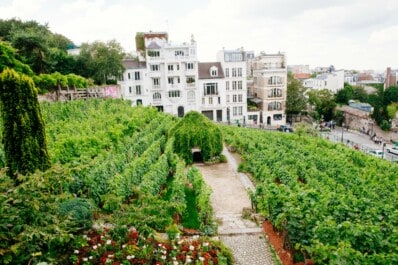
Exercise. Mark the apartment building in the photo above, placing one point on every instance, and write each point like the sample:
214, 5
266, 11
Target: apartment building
234, 65
269, 89
169, 77
332, 81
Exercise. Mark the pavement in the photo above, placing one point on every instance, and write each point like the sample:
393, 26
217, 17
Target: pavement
229, 198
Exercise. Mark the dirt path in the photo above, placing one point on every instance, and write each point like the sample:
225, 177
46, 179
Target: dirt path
229, 197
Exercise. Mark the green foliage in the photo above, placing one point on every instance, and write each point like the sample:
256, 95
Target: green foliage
323, 101
296, 102
8, 59
23, 128
80, 210
196, 131
385, 125
335, 204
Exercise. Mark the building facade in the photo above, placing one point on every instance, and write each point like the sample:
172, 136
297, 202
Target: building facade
270, 88
169, 77
332, 81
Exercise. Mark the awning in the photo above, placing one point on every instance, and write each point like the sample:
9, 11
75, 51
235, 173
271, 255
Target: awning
256, 100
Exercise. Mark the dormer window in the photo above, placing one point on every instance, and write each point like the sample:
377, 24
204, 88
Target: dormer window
213, 71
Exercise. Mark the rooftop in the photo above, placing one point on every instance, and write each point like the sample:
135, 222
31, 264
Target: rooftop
204, 70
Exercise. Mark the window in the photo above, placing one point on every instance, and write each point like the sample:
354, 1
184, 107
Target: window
138, 90
227, 85
128, 76
234, 85
210, 100
213, 71
275, 92
191, 95
170, 67
130, 90
235, 111
156, 81
240, 110
179, 53
233, 57
210, 89
203, 101
240, 85
228, 98
157, 95
170, 80
234, 98
174, 94
239, 71
275, 80
190, 66
233, 72
154, 67
227, 72
277, 117
152, 53
219, 100
275, 105
137, 76
178, 67
190, 79
240, 98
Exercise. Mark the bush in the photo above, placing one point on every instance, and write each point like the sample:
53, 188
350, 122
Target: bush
385, 125
80, 210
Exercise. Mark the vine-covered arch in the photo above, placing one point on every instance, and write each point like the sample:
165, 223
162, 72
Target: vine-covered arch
196, 131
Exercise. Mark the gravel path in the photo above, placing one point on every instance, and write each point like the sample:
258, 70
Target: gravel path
229, 197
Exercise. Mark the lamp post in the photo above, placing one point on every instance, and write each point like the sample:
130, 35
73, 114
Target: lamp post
342, 131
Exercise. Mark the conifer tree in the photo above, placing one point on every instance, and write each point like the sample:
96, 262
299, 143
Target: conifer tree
23, 127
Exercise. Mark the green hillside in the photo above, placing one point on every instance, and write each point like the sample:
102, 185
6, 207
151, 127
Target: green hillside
115, 183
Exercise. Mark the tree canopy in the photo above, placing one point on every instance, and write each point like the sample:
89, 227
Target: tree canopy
296, 101
323, 101
194, 130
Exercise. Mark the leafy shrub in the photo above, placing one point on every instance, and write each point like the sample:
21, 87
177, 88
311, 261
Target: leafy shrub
79, 209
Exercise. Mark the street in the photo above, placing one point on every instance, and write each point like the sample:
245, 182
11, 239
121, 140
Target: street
361, 141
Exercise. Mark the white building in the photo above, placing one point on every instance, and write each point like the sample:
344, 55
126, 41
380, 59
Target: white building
169, 81
269, 88
172, 80
234, 64
332, 81
212, 91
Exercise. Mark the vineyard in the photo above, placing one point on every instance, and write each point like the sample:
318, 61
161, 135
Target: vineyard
116, 193
332, 204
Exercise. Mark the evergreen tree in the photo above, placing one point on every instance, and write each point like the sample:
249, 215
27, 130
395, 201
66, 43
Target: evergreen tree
23, 127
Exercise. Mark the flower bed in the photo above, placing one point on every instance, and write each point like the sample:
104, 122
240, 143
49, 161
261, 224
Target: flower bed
98, 247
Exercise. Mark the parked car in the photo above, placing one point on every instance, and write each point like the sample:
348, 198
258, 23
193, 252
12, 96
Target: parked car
285, 128
392, 150
377, 153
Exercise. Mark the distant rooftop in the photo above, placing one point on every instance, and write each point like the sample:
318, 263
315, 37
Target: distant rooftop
204, 70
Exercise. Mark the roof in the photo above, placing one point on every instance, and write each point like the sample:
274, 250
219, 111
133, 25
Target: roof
133, 64
302, 75
204, 70
153, 45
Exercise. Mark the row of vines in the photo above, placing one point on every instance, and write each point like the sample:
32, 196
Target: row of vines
332, 204
114, 186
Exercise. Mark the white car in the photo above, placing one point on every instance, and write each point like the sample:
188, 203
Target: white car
377, 153
392, 150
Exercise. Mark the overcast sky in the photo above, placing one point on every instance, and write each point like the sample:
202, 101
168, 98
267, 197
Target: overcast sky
349, 34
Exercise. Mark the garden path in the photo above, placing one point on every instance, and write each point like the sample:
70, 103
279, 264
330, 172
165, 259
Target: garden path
228, 199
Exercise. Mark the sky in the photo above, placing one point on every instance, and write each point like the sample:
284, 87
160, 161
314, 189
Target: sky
349, 34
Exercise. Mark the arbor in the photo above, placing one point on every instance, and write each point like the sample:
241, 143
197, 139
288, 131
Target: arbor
24, 136
196, 131
323, 101
296, 101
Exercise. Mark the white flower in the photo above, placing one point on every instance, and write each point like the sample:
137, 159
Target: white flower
85, 236
108, 242
76, 251
201, 258
191, 247
110, 256
163, 257
85, 259
102, 237
128, 257
99, 244
124, 246
91, 257
175, 262
205, 244
95, 247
